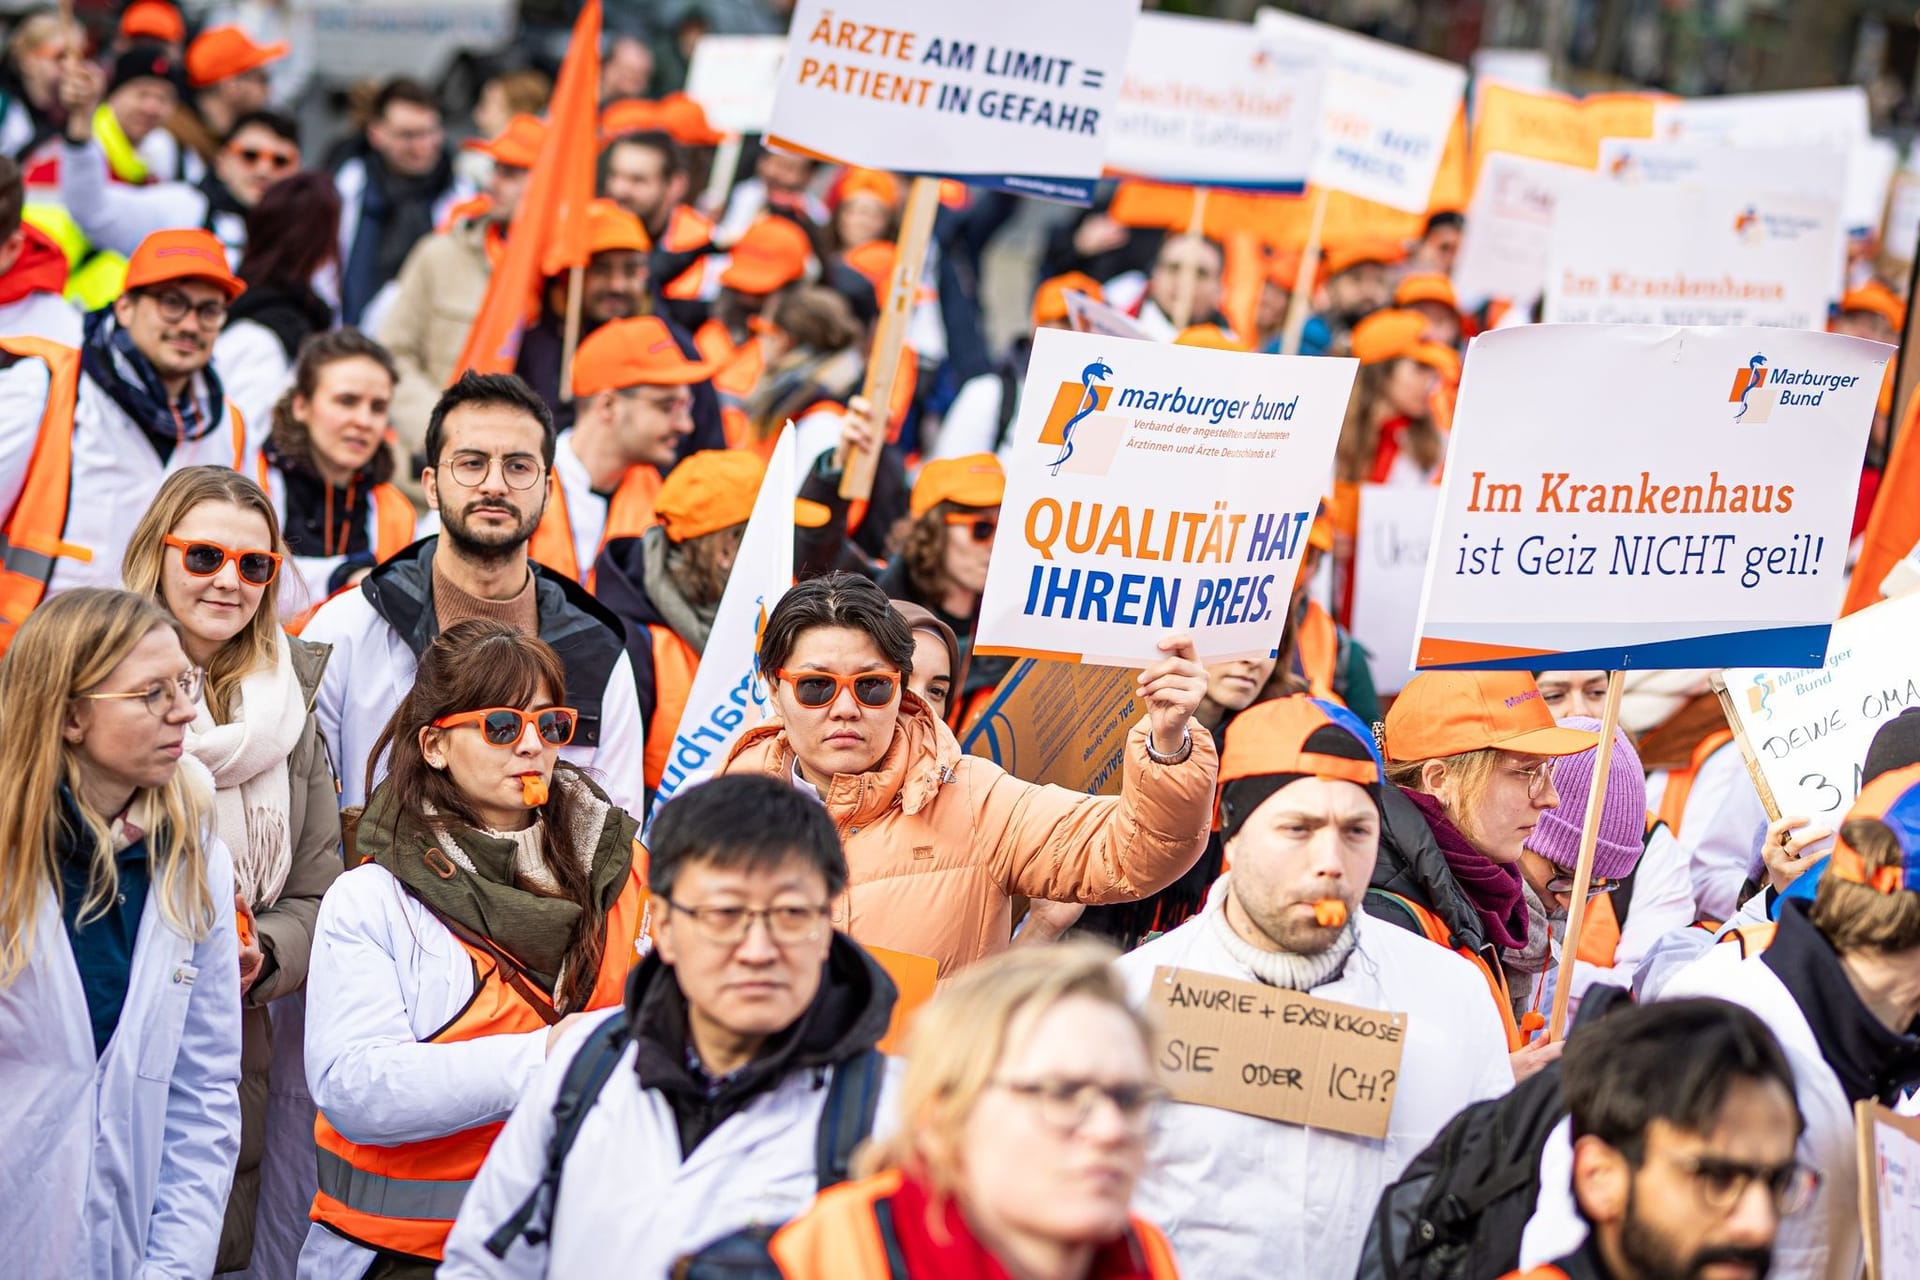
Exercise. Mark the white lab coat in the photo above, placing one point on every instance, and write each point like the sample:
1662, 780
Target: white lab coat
1718, 829
372, 669
41, 315
119, 1167
629, 1206
254, 370
1242, 1196
586, 510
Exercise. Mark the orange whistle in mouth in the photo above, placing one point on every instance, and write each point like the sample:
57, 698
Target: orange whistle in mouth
1330, 913
533, 790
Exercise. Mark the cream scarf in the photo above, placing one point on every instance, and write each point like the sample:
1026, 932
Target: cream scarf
247, 757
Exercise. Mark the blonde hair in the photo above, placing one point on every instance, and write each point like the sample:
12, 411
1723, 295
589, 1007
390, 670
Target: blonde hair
255, 646
1857, 917
959, 1038
1472, 770
68, 646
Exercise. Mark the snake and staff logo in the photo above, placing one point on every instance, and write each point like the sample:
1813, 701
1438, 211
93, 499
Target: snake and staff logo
1073, 404
1747, 382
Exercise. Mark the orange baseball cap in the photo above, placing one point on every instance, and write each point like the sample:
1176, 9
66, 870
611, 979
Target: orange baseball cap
1877, 298
1393, 334
629, 115
611, 228
973, 480
686, 122
1210, 336
1050, 299
1443, 713
715, 489
181, 254
153, 20
771, 255
517, 145
219, 53
639, 352
1892, 799
1283, 268
1346, 257
1283, 740
875, 183
1426, 286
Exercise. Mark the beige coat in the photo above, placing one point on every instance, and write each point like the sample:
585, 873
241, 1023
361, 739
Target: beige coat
938, 843
440, 288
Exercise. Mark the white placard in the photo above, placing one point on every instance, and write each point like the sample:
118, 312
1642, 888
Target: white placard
1521, 68
1089, 316
1800, 117
1155, 488
999, 93
1508, 242
1215, 104
1389, 565
1385, 114
1811, 173
733, 77
1870, 171
1622, 496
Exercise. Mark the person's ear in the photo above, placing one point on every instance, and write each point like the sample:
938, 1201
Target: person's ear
123, 309
73, 725
430, 486
1602, 1180
431, 749
1434, 779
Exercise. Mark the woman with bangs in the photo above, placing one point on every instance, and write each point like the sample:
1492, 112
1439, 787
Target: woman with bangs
119, 1001
209, 551
497, 895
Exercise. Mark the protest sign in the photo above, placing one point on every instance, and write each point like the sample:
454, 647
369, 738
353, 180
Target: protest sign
1281, 1055
1390, 553
1809, 117
1901, 227
1000, 93
1810, 727
1524, 68
1541, 126
1213, 104
1737, 255
728, 693
1384, 114
1889, 1168
732, 78
1623, 496
1809, 173
1508, 241
1870, 169
1153, 489
1059, 723
1088, 316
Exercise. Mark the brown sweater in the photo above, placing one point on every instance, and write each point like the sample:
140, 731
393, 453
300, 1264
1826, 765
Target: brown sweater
451, 604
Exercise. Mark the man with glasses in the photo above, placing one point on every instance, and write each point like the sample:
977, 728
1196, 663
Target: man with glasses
86, 442
1300, 817
490, 453
1683, 1133
712, 1101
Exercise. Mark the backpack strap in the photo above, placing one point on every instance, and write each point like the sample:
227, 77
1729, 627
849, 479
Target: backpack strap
846, 1118
586, 1075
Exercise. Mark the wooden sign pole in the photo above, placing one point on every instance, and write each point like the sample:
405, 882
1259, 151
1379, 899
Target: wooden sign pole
1583, 870
570, 342
916, 231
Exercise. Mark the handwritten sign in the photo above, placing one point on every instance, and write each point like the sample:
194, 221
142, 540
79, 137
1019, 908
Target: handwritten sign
1000, 93
1059, 723
1507, 246
1810, 727
1710, 531
733, 78
1889, 1153
1213, 104
1155, 488
1390, 555
1280, 1055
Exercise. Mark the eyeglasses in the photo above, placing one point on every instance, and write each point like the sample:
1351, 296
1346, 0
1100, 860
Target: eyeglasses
1595, 886
1537, 778
159, 696
1066, 1104
175, 307
729, 926
981, 527
816, 689
278, 161
1791, 1186
204, 559
505, 726
472, 469
672, 406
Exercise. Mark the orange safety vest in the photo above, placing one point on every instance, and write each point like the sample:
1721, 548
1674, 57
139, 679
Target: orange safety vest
841, 1237
1752, 939
1317, 641
403, 1198
1436, 930
739, 372
1599, 943
394, 520
674, 663
687, 229
629, 514
1673, 803
1537, 1273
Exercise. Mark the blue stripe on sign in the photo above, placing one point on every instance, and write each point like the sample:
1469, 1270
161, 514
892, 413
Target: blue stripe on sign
1796, 647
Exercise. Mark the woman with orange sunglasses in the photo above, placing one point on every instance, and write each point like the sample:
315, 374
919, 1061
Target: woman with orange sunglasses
209, 551
498, 895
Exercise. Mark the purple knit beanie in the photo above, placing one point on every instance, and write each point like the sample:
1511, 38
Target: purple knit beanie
1623, 817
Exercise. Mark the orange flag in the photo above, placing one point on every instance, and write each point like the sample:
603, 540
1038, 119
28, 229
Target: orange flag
549, 229
1893, 526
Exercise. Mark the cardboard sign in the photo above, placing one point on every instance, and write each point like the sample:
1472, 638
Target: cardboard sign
1390, 553
1622, 496
1059, 723
1280, 1055
1214, 104
732, 78
1889, 1155
1000, 93
1810, 727
1153, 489
1507, 246
1088, 316
1384, 115
1689, 256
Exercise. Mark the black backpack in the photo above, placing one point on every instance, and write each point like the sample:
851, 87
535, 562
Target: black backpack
1461, 1206
846, 1118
